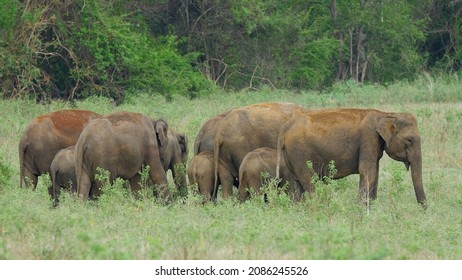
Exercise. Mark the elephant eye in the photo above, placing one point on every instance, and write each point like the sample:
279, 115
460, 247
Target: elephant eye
409, 141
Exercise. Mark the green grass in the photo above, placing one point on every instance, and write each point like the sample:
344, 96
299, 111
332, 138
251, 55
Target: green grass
330, 225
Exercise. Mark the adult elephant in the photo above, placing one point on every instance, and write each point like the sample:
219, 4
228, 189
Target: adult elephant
245, 129
45, 136
174, 155
355, 140
200, 169
121, 143
205, 139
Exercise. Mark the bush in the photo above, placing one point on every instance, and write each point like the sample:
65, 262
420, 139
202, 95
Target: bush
76, 49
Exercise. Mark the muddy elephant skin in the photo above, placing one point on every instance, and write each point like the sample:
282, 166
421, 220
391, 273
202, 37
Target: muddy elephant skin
355, 140
258, 161
246, 129
205, 139
201, 172
45, 136
62, 172
121, 143
174, 156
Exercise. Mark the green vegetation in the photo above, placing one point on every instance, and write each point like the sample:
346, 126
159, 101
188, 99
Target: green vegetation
113, 48
330, 225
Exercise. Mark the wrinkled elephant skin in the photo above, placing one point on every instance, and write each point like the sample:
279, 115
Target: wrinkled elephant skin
258, 161
201, 172
62, 172
245, 129
45, 136
355, 140
121, 143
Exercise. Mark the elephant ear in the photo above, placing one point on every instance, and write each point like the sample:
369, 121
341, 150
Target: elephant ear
387, 128
183, 141
161, 128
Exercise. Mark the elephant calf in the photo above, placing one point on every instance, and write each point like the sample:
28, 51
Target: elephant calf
174, 154
254, 164
201, 172
62, 172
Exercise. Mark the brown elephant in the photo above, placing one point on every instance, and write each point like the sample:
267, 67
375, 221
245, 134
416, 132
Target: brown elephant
121, 143
62, 172
45, 136
204, 142
258, 161
174, 155
205, 139
200, 172
355, 140
245, 129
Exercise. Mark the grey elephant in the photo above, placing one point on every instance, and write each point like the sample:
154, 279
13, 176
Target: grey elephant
257, 162
201, 172
174, 155
62, 172
245, 129
45, 136
121, 143
355, 140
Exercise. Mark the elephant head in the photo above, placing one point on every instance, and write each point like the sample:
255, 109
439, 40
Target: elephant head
403, 143
161, 128
183, 141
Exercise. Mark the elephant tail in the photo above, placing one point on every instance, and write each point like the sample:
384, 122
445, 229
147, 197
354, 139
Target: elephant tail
216, 158
55, 187
79, 153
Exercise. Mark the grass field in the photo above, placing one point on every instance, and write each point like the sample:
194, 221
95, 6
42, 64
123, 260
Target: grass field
331, 225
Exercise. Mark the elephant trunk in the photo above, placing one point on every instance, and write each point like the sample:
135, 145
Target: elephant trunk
416, 171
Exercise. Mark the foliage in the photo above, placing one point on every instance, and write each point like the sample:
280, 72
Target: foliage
75, 49
5, 172
79, 48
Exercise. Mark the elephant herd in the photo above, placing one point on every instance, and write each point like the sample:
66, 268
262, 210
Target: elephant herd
231, 149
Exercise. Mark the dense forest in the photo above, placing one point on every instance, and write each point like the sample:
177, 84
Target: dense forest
72, 49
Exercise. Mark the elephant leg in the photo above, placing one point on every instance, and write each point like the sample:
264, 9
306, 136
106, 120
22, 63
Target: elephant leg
375, 184
96, 189
227, 180
159, 179
243, 192
55, 192
304, 179
293, 190
368, 181
84, 187
30, 179
135, 184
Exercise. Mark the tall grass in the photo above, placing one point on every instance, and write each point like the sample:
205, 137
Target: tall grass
330, 225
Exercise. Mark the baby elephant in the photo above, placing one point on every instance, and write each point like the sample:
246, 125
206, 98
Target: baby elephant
62, 171
254, 164
201, 172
